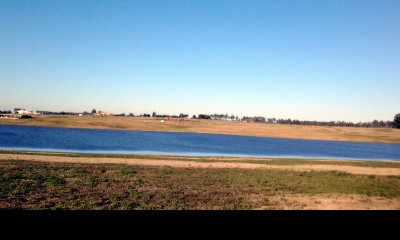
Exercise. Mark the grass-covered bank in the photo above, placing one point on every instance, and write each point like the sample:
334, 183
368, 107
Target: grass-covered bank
36, 185
268, 161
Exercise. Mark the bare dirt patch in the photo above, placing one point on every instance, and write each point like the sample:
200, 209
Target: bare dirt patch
332, 202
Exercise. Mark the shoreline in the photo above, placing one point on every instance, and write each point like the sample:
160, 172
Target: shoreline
183, 155
330, 133
297, 165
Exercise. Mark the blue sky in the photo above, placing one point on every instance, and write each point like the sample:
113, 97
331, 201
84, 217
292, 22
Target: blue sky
308, 60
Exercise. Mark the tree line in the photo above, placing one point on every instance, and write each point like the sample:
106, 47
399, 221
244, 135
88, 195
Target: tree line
375, 123
259, 119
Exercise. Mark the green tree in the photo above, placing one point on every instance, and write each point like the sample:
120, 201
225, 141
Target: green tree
397, 121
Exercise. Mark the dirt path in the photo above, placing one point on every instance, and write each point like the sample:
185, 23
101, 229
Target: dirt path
332, 202
193, 164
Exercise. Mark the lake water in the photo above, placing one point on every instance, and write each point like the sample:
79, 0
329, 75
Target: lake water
198, 144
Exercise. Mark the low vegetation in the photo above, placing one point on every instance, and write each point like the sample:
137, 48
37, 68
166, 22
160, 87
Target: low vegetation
36, 185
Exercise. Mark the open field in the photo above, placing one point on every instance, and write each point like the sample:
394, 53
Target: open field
89, 181
384, 135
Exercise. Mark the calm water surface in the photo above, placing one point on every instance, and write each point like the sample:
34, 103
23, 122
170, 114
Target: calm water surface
146, 142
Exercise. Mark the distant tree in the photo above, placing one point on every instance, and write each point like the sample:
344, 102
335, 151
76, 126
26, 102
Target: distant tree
396, 122
131, 115
204, 116
154, 114
194, 116
94, 111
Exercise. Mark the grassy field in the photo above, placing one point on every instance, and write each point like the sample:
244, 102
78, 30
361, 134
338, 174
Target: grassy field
49, 184
32, 185
384, 135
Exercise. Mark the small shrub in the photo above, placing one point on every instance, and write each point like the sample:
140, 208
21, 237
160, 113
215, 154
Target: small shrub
55, 181
91, 181
139, 181
342, 174
126, 171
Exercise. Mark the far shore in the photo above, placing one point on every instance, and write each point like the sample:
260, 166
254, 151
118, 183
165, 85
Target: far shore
355, 134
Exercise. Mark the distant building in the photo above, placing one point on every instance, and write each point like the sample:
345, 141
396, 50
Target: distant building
17, 110
102, 113
20, 111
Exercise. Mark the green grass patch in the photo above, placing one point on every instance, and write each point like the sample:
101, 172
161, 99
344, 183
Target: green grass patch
55, 181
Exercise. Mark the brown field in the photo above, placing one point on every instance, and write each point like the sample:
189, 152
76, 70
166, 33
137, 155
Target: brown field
384, 135
90, 181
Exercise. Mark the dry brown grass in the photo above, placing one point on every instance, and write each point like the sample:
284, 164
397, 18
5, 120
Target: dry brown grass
384, 135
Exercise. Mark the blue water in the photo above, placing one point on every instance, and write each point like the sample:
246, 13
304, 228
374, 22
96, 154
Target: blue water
146, 142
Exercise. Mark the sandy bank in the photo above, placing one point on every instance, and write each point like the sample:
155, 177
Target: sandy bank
194, 164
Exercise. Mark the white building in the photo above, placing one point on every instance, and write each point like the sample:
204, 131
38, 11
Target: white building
103, 113
20, 111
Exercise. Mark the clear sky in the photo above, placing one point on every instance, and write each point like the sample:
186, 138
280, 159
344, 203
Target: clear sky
307, 60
